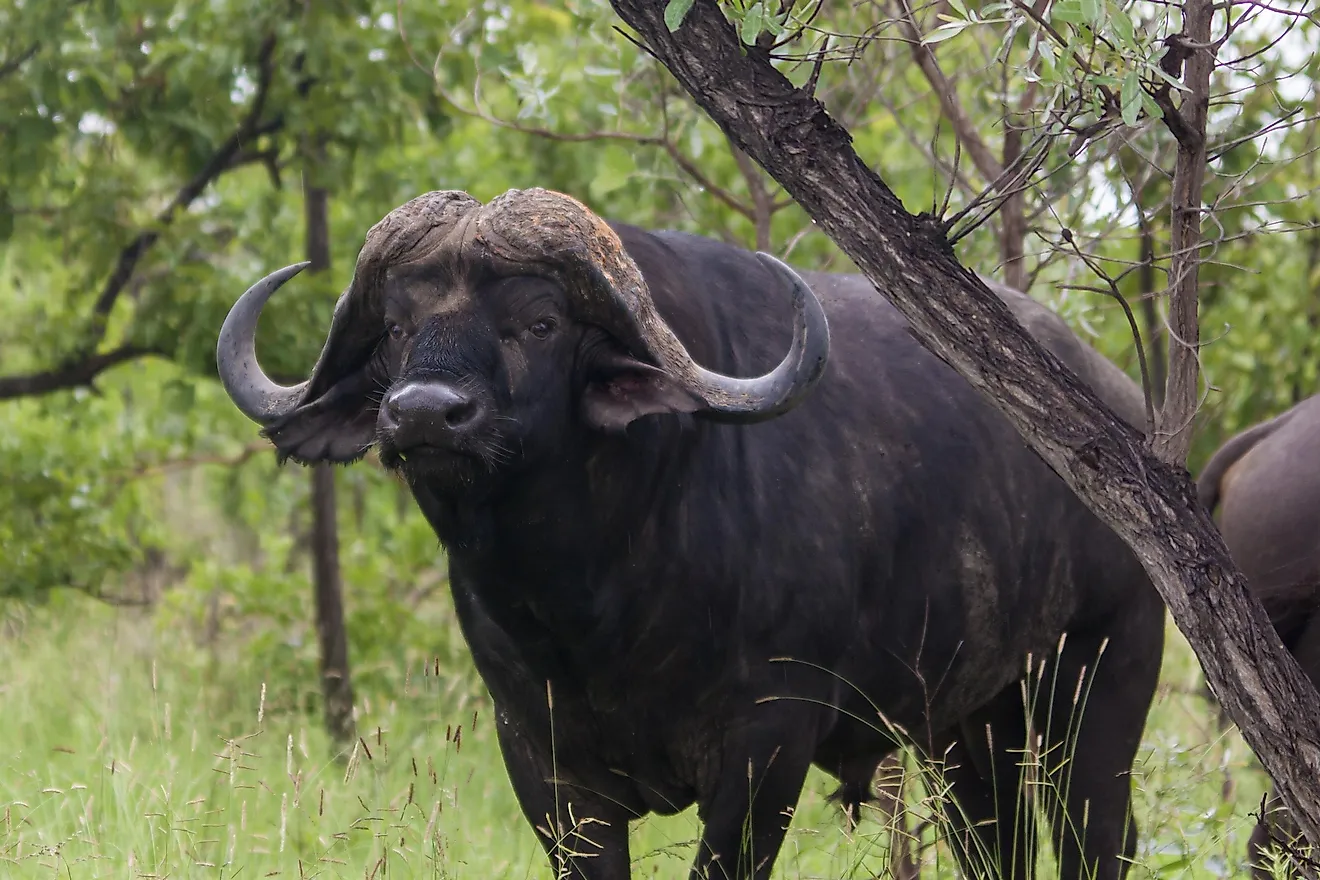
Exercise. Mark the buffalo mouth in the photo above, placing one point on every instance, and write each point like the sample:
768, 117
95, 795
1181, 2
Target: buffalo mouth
439, 425
443, 464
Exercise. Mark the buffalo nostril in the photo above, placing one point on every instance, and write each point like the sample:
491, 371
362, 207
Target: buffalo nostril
460, 413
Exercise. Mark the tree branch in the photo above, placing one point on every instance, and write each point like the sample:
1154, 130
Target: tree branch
1013, 229
220, 161
171, 465
13, 64
763, 205
963, 128
81, 368
76, 373
1149, 503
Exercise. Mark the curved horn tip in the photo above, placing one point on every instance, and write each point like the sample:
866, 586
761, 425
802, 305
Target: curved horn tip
260, 292
255, 395
807, 306
282, 275
775, 263
747, 401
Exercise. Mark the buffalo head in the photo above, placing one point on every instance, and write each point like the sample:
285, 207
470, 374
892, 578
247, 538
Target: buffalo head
474, 338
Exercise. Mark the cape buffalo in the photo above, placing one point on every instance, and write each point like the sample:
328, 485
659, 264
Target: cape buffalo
685, 587
1266, 484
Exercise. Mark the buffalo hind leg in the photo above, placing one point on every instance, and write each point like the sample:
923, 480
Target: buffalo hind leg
1089, 714
586, 837
992, 832
763, 767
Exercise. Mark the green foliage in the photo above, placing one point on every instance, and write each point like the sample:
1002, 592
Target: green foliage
56, 500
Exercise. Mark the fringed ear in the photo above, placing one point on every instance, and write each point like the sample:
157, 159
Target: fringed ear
623, 389
335, 421
339, 426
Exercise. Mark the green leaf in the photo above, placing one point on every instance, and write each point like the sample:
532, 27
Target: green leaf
1091, 11
958, 7
775, 24
1068, 12
614, 170
1123, 30
675, 12
751, 23
1149, 105
944, 32
1131, 103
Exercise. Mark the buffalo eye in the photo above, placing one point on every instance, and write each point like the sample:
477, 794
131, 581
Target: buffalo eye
542, 328
396, 331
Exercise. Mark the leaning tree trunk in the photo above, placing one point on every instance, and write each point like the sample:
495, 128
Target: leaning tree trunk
336, 685
1150, 504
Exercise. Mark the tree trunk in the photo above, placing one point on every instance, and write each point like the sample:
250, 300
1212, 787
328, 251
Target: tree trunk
1182, 391
1150, 504
327, 584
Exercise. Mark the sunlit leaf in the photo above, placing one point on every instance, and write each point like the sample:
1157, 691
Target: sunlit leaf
1131, 98
675, 12
752, 22
944, 32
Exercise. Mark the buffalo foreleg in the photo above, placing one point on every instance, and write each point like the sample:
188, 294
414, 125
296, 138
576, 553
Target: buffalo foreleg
1275, 825
585, 835
764, 763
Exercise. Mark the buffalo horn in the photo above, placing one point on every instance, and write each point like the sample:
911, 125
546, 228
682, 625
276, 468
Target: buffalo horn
730, 399
527, 228
253, 392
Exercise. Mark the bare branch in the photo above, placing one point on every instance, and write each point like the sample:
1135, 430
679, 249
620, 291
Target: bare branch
1038, 16
1111, 290
963, 128
76, 373
13, 64
952, 171
763, 206
1285, 121
685, 164
158, 468
220, 161
81, 368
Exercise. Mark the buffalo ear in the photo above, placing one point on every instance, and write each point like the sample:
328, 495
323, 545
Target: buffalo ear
339, 426
335, 421
623, 389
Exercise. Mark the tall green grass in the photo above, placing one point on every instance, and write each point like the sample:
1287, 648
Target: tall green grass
127, 753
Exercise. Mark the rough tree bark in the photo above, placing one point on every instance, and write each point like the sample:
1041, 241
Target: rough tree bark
1152, 505
327, 583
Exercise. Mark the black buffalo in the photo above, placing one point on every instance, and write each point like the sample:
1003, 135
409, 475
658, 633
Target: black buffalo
683, 587
1266, 484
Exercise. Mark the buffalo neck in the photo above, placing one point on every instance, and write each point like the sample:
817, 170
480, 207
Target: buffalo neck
572, 515
577, 556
